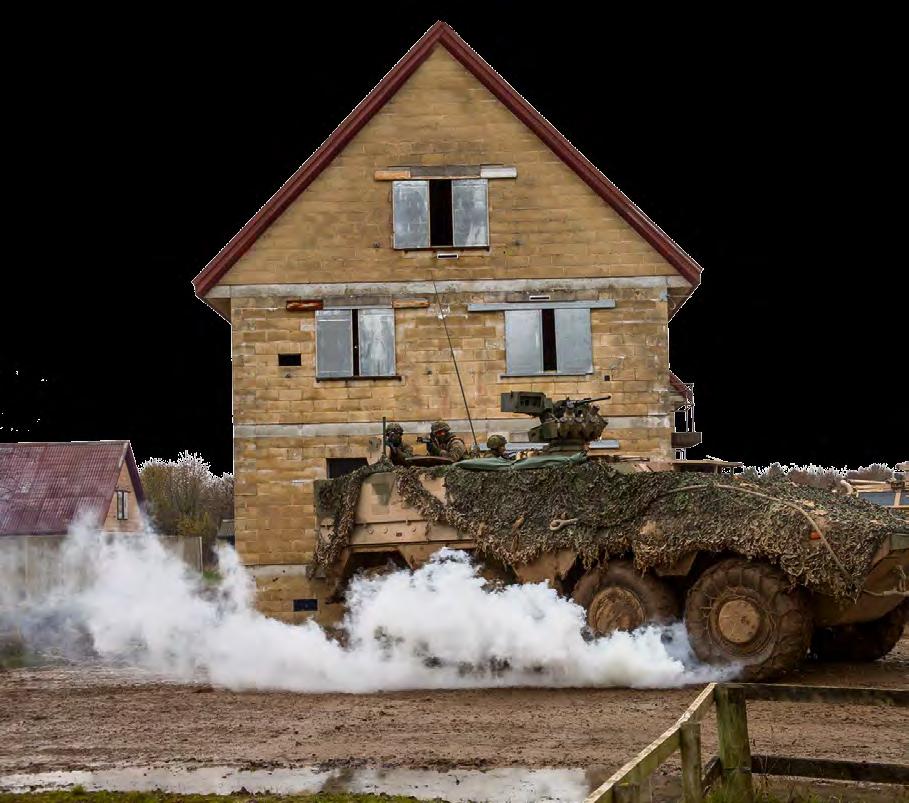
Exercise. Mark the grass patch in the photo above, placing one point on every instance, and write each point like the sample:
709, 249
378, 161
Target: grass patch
78, 794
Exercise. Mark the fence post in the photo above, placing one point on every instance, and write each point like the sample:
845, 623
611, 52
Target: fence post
690, 743
735, 751
626, 792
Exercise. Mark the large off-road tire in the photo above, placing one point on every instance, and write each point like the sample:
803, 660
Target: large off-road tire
747, 613
862, 641
619, 597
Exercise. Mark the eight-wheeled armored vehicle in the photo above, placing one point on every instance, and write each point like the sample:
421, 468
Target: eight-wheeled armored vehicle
761, 572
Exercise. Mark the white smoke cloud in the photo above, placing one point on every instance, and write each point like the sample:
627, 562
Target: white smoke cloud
437, 627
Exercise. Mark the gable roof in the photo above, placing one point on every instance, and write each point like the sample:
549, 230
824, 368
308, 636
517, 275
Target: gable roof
44, 486
442, 34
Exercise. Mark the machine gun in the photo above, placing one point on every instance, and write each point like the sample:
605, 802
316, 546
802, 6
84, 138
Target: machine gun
566, 425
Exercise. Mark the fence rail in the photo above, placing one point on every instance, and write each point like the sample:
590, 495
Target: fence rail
735, 765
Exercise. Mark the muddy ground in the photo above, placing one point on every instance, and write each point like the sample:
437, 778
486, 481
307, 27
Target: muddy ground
80, 718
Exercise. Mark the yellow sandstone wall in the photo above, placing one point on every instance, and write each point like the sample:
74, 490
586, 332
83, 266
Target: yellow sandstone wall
544, 225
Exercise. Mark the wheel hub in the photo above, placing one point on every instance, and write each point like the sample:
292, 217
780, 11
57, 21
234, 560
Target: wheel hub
739, 621
615, 608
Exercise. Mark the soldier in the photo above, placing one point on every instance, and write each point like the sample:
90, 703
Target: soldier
398, 451
442, 443
496, 445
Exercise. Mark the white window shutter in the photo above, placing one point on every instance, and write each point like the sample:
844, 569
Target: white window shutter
574, 354
410, 201
334, 343
470, 213
376, 334
523, 342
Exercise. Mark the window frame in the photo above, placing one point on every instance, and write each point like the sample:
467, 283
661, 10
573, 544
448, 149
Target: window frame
354, 334
426, 244
514, 370
122, 504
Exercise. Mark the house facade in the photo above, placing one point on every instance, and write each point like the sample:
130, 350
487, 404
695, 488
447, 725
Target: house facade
444, 193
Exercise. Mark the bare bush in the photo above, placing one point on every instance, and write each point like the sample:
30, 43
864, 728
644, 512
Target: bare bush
184, 497
819, 476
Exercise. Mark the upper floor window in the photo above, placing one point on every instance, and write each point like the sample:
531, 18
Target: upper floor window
355, 342
441, 213
122, 505
539, 341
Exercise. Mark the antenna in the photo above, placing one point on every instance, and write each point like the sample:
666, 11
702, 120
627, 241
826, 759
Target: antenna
454, 360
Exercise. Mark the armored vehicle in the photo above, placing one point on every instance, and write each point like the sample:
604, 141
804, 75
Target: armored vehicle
761, 572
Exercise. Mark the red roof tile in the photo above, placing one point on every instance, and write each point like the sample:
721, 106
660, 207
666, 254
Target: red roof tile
44, 486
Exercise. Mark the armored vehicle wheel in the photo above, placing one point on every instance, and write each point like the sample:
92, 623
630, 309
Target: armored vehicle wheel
747, 613
618, 597
862, 641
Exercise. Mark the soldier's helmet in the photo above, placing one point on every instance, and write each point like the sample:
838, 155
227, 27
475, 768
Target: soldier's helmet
440, 427
496, 442
394, 426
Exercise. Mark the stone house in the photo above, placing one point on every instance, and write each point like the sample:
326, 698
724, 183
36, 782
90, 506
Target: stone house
443, 188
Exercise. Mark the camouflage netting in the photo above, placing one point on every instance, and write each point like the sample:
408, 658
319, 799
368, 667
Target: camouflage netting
659, 516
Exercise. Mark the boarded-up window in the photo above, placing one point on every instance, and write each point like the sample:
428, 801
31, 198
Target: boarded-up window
574, 354
410, 200
359, 342
334, 343
523, 341
376, 333
528, 351
418, 206
470, 219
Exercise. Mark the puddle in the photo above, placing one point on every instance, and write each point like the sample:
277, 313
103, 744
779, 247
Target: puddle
516, 784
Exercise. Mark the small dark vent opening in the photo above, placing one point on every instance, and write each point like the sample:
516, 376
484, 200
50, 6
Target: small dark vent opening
290, 359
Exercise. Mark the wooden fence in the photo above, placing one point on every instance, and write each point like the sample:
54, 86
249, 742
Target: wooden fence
735, 765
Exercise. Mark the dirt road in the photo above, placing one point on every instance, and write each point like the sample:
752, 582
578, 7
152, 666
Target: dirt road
76, 718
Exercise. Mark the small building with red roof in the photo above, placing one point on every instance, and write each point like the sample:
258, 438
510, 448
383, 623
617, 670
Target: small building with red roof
46, 487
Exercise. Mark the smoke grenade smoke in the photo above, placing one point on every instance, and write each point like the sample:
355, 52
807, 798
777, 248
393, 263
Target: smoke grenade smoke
441, 626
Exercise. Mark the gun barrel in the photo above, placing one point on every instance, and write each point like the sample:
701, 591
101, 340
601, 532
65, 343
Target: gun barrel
591, 401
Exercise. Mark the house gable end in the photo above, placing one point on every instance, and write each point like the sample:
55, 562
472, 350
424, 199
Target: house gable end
440, 86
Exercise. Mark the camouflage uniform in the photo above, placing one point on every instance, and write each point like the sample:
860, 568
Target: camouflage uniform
496, 445
398, 451
443, 444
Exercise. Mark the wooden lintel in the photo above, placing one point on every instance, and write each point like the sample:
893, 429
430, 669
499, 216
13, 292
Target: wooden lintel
410, 303
400, 174
406, 172
303, 304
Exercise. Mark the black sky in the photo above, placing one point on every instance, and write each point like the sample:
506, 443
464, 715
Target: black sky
139, 150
